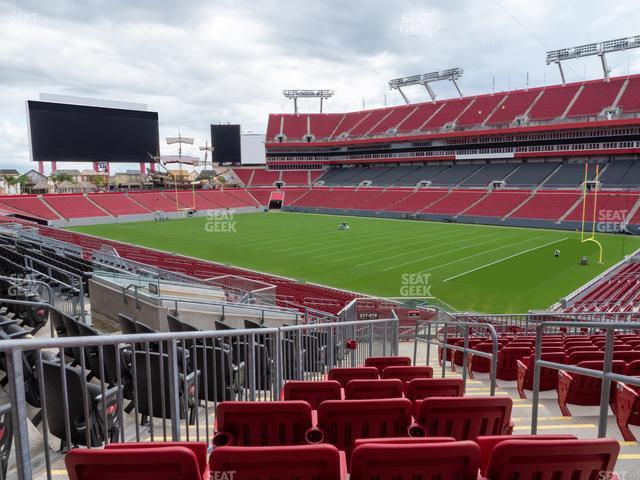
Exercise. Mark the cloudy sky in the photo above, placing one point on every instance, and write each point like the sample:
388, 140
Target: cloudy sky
202, 62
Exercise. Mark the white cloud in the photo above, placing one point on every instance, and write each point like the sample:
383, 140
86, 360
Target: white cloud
227, 61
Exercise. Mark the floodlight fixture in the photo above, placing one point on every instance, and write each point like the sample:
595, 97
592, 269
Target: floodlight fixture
206, 148
425, 79
296, 94
591, 49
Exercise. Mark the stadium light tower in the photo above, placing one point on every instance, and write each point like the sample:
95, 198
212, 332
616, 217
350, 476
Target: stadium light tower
206, 148
600, 49
452, 74
296, 94
179, 140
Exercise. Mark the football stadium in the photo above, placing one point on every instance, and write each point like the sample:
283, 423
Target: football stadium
441, 283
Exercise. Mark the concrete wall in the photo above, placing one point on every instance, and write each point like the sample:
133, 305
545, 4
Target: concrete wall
433, 217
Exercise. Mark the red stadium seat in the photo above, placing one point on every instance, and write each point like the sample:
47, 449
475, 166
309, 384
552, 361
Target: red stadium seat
402, 440
575, 358
558, 459
507, 362
576, 389
407, 373
262, 423
480, 364
382, 362
464, 418
445, 461
421, 388
343, 375
548, 376
161, 461
304, 462
370, 389
313, 393
627, 409
341, 422
418, 389
488, 443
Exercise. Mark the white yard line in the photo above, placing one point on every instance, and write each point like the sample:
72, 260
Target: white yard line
429, 246
502, 247
504, 259
450, 251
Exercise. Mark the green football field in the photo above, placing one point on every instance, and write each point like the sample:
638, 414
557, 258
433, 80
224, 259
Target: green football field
470, 267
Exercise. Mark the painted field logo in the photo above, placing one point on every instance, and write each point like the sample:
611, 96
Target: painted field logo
415, 285
611, 221
220, 221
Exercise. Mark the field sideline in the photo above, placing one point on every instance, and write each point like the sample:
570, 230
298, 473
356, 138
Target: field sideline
472, 267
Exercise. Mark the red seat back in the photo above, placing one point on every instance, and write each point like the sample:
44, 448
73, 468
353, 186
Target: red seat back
548, 376
264, 423
402, 440
465, 418
421, 388
507, 361
344, 421
343, 375
303, 462
445, 461
370, 389
488, 443
633, 368
198, 448
585, 386
383, 362
558, 459
583, 356
626, 356
164, 463
314, 393
407, 373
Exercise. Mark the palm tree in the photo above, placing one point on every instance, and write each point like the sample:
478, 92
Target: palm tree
14, 181
58, 177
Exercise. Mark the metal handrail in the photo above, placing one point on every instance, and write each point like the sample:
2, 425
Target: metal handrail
433, 340
606, 375
332, 348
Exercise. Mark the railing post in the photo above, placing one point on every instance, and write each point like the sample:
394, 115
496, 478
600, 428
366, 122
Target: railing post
278, 365
444, 350
428, 342
252, 366
19, 414
384, 341
465, 360
536, 379
174, 389
371, 339
494, 359
395, 347
605, 391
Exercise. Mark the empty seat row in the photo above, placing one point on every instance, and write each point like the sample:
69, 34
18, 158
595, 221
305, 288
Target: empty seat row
496, 457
